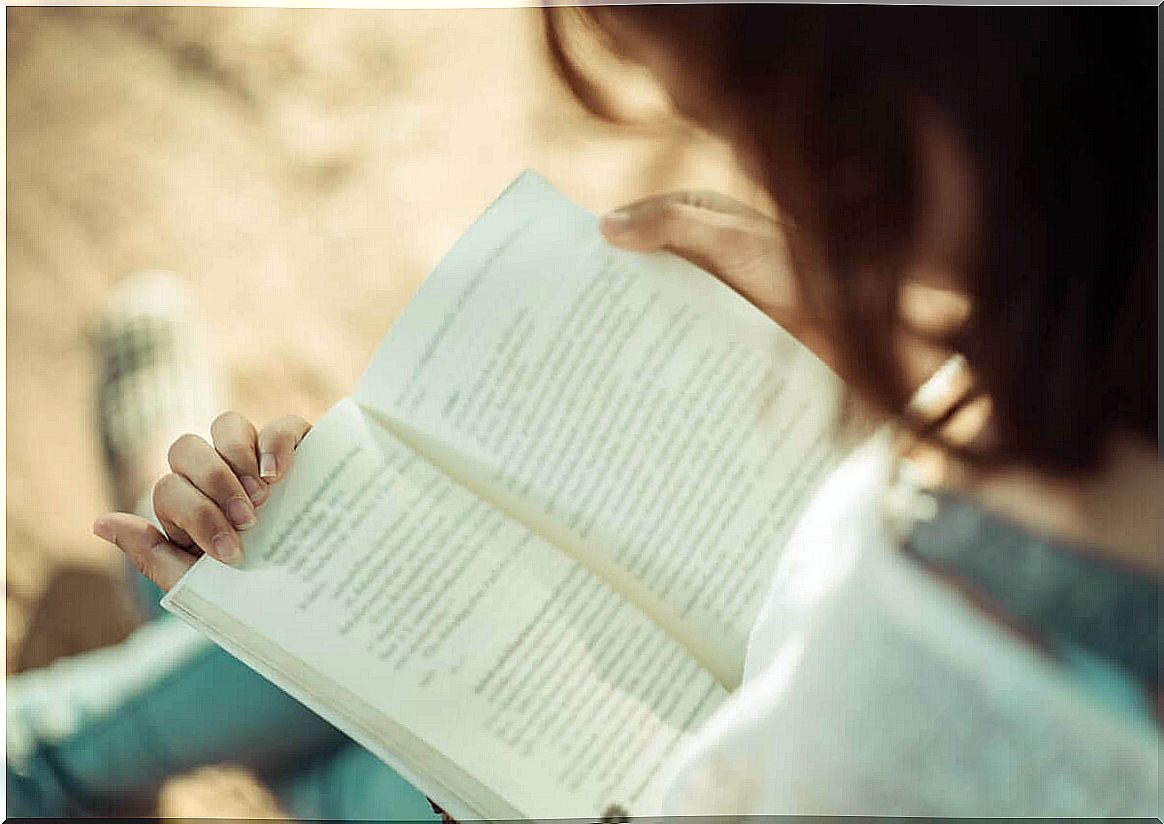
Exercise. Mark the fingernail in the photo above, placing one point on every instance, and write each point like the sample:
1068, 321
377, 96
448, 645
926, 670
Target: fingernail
617, 220
226, 548
104, 531
254, 488
242, 514
267, 467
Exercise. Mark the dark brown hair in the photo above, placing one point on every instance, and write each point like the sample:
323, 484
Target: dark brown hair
1057, 108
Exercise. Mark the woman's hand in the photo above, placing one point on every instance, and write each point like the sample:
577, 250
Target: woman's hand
209, 496
739, 245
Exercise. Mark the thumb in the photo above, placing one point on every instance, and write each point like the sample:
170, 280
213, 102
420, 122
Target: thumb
665, 221
706, 235
146, 547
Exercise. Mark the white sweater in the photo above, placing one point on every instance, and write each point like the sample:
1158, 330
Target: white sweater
872, 689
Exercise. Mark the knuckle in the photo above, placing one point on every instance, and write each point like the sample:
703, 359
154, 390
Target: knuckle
208, 519
132, 549
182, 447
240, 457
725, 239
225, 423
222, 481
144, 563
703, 198
164, 489
672, 213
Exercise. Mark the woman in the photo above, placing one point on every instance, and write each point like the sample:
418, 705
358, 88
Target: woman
972, 182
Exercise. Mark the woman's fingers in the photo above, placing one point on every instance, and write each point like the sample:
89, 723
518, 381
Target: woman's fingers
686, 220
668, 222
202, 465
686, 230
237, 442
210, 495
179, 502
703, 199
147, 548
736, 243
277, 442
711, 230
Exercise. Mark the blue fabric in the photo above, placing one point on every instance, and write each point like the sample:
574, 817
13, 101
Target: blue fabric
212, 709
1101, 619
209, 709
1107, 684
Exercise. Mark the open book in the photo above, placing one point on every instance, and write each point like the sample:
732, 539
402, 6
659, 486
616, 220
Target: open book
520, 563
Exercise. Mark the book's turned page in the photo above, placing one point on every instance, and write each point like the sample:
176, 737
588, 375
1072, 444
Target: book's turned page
630, 400
493, 671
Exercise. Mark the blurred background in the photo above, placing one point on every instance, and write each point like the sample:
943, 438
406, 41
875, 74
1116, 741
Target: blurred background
302, 170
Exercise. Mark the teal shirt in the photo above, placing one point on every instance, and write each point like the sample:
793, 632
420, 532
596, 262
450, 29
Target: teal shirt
1099, 618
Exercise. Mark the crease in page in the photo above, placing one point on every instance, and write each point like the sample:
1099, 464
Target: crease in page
717, 661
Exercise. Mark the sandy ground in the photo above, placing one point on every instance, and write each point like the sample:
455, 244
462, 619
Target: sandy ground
303, 170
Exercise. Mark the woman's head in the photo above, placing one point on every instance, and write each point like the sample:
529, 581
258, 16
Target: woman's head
1011, 151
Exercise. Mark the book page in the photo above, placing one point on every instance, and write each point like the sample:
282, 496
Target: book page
438, 631
630, 399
